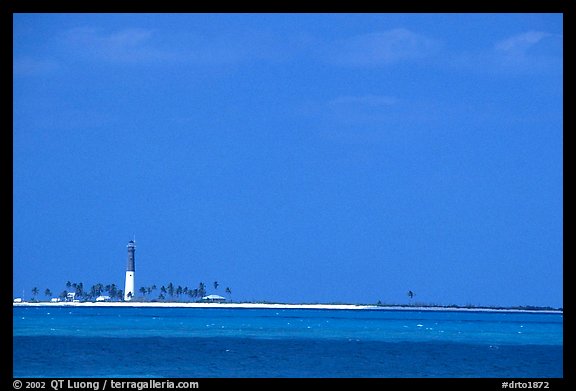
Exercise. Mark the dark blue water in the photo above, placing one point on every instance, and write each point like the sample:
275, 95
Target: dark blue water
193, 342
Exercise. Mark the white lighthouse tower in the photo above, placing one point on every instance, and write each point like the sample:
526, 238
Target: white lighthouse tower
130, 269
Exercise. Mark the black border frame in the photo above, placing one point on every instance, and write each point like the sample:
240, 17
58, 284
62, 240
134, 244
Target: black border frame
566, 7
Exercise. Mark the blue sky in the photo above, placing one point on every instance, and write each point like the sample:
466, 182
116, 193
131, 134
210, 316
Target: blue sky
292, 157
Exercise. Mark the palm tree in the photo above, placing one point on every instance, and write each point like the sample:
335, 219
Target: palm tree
63, 295
143, 290
80, 289
68, 284
216, 285
96, 290
410, 296
170, 289
229, 293
34, 293
150, 289
48, 293
201, 289
93, 292
113, 291
178, 291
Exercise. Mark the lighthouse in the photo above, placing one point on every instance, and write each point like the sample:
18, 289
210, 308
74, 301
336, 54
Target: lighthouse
130, 269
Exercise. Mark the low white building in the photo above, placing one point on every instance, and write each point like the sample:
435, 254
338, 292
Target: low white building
214, 298
103, 298
18, 300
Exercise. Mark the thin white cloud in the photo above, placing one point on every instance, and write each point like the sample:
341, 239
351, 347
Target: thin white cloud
128, 45
380, 48
528, 52
241, 47
521, 43
135, 45
28, 66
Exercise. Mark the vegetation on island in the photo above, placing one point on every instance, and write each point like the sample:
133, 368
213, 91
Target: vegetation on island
111, 292
182, 294
411, 295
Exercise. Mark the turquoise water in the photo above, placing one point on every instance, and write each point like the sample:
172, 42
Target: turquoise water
197, 342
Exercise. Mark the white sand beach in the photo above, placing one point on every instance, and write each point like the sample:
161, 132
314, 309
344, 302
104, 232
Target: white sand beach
275, 306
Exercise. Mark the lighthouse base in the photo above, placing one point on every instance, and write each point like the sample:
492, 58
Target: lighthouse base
129, 287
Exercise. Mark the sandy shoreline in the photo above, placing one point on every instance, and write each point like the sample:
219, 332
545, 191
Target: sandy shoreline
278, 306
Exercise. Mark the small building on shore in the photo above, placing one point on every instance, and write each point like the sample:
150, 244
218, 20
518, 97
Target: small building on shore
214, 299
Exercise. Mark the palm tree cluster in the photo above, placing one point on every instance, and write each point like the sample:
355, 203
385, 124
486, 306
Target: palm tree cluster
171, 292
168, 292
95, 290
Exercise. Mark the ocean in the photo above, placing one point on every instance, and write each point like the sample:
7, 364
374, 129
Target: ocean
131, 342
